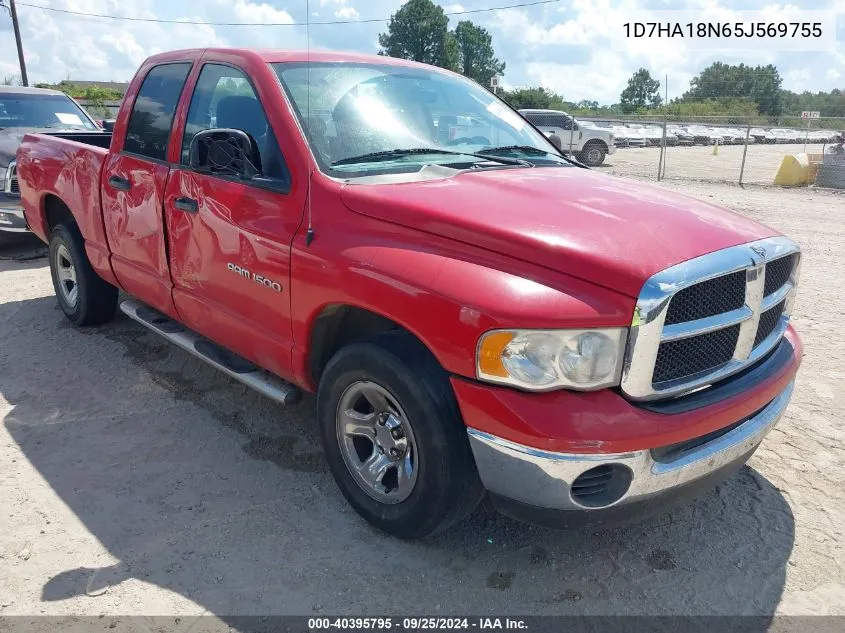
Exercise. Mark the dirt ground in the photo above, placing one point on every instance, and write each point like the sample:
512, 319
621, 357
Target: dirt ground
136, 480
699, 163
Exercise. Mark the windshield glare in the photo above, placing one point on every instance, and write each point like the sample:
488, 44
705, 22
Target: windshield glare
359, 109
42, 111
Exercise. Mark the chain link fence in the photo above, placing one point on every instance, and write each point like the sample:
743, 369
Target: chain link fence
738, 149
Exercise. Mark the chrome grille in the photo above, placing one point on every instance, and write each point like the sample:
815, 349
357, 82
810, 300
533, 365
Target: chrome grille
10, 186
768, 322
709, 317
689, 356
777, 273
708, 298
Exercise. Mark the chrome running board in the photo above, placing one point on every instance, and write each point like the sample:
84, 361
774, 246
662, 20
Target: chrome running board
219, 357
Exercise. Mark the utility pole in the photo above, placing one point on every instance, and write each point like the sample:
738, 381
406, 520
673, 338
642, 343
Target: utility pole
13, 12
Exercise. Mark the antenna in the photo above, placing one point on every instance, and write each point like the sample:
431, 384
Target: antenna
309, 234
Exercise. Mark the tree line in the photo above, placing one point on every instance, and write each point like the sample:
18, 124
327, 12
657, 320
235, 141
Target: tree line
420, 31
718, 90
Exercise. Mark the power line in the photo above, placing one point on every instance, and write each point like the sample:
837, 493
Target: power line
160, 21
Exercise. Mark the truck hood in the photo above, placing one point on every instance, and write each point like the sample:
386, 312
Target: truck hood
609, 231
12, 137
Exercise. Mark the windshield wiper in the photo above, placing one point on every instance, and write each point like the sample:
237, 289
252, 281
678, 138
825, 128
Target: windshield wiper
525, 149
529, 149
393, 153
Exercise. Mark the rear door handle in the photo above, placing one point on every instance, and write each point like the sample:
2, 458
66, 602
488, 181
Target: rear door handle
188, 205
116, 182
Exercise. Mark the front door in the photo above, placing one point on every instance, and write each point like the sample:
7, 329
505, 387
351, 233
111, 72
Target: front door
133, 183
229, 239
563, 126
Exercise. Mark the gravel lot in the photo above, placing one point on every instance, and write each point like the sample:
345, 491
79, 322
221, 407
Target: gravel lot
136, 480
698, 163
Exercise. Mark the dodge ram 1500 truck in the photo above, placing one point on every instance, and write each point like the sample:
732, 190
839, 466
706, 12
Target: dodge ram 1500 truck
476, 314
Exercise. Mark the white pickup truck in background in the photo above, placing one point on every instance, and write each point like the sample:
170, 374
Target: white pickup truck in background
587, 143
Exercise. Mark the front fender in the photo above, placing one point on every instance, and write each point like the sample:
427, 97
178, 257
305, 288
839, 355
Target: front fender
445, 293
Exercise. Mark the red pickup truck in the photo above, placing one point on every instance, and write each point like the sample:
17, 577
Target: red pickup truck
476, 313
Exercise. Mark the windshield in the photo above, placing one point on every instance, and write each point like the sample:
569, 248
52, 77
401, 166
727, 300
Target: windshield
363, 117
42, 110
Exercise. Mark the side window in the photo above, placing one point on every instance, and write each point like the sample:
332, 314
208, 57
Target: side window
563, 121
152, 113
224, 98
539, 120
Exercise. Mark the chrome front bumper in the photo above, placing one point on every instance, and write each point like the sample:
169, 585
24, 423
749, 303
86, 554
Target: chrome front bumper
543, 480
11, 217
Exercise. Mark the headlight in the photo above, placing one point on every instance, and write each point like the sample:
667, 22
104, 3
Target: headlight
542, 360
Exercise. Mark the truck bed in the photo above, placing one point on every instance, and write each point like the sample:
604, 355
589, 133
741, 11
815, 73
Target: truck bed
97, 139
66, 166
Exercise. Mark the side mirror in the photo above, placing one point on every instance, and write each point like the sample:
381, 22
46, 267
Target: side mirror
108, 125
225, 152
575, 126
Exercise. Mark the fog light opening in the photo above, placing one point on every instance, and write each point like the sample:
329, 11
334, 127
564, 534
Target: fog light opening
601, 486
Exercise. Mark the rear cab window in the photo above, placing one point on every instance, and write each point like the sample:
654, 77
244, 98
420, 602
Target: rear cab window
148, 130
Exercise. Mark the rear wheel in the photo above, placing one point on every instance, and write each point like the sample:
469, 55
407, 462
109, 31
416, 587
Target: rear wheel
393, 437
84, 297
593, 154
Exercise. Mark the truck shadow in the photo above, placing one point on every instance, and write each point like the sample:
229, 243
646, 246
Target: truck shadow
213, 493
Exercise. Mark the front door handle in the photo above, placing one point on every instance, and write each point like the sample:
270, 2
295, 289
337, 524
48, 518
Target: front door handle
116, 182
188, 205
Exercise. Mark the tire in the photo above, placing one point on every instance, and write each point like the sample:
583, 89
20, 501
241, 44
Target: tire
84, 297
409, 384
593, 154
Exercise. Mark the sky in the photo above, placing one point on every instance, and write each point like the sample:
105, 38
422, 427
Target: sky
575, 47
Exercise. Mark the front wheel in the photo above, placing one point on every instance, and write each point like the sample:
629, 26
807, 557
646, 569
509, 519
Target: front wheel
593, 154
394, 439
84, 297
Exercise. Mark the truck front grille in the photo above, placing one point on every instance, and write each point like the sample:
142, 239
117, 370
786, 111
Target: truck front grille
768, 322
10, 185
710, 317
708, 298
690, 356
778, 272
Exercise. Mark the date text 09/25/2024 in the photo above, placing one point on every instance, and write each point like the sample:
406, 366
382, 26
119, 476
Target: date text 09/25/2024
417, 623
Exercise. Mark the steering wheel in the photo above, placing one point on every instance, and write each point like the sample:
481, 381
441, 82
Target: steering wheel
466, 140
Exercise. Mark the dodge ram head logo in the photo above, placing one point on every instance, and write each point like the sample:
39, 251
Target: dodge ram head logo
259, 279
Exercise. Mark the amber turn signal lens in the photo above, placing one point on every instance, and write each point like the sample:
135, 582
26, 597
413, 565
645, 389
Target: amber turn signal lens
490, 353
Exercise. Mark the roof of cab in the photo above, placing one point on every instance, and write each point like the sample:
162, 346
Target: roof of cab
292, 56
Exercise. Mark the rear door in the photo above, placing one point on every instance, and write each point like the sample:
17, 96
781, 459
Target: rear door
229, 239
133, 183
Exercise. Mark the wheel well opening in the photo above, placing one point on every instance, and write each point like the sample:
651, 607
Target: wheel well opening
56, 212
598, 142
337, 326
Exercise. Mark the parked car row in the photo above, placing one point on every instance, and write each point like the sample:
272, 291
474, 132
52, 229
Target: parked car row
651, 135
